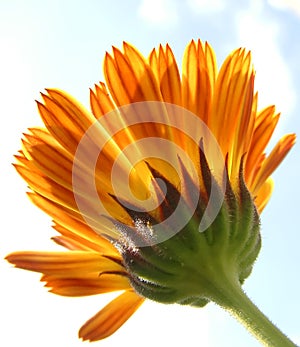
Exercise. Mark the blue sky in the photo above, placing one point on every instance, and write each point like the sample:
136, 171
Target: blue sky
61, 44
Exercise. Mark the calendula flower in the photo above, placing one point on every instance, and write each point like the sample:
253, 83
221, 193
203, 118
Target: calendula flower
157, 191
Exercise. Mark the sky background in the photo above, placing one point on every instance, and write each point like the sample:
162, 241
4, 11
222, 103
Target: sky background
61, 43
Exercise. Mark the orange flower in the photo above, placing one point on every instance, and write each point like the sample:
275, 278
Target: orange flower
223, 100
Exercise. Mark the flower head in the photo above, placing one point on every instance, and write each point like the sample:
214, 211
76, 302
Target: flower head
157, 191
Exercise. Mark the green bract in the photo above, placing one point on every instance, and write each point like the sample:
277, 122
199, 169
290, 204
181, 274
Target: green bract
187, 267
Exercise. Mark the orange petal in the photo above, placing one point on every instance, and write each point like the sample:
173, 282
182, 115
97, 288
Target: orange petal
52, 160
164, 66
55, 182
244, 127
129, 77
55, 167
143, 73
68, 122
64, 263
90, 241
198, 78
91, 284
100, 100
77, 226
264, 194
265, 124
65, 118
273, 160
232, 102
111, 317
48, 188
71, 244
49, 171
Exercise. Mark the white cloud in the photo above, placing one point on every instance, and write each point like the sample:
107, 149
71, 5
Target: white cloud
293, 5
159, 12
273, 76
206, 6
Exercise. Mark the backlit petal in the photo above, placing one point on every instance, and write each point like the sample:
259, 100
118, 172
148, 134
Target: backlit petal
264, 194
100, 100
61, 263
232, 106
165, 68
265, 124
65, 118
129, 77
198, 79
273, 160
111, 317
92, 284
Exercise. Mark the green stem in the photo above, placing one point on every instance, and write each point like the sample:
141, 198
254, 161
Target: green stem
232, 298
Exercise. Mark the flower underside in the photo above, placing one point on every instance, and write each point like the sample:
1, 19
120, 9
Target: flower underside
157, 191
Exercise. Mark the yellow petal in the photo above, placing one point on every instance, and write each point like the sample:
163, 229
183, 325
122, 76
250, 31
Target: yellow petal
111, 317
